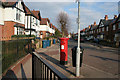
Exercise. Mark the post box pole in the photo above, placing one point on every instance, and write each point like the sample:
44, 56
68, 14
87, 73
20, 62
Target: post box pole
78, 48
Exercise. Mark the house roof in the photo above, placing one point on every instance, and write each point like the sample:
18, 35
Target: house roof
9, 3
50, 25
44, 21
37, 14
118, 19
105, 22
33, 13
113, 21
94, 27
87, 28
27, 10
53, 27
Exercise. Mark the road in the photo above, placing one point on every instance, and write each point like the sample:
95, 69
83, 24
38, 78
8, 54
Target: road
100, 58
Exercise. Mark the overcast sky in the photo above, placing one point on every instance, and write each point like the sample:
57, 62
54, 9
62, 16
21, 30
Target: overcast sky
89, 11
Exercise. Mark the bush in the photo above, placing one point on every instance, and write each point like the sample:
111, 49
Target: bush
15, 36
13, 51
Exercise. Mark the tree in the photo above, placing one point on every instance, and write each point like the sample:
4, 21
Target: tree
64, 23
57, 33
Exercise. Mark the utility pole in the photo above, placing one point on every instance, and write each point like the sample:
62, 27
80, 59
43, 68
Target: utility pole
78, 48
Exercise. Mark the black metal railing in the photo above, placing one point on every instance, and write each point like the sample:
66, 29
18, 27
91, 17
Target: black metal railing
43, 70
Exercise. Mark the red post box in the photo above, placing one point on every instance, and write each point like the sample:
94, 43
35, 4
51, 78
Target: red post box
64, 51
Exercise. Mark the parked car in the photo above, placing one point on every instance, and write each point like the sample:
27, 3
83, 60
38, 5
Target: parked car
96, 40
75, 38
88, 39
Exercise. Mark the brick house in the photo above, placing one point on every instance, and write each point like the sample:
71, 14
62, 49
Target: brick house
95, 26
12, 24
88, 31
103, 28
44, 27
52, 29
36, 22
115, 29
32, 22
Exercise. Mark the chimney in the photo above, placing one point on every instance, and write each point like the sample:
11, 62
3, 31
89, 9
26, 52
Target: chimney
94, 23
106, 17
115, 16
89, 26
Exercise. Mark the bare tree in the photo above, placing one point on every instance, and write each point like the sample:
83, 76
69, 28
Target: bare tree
64, 23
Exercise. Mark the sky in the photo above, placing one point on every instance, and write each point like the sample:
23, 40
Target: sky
89, 11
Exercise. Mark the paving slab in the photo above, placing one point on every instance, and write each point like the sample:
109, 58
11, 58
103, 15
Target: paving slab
52, 56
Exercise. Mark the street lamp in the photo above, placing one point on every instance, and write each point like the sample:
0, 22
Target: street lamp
78, 48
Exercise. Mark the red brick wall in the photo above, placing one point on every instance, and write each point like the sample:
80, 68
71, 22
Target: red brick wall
1, 32
44, 34
8, 30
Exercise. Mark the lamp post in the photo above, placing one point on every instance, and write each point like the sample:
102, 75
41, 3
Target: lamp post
78, 48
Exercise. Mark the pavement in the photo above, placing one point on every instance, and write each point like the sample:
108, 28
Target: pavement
52, 55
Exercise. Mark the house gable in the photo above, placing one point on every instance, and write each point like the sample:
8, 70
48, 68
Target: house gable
19, 5
101, 24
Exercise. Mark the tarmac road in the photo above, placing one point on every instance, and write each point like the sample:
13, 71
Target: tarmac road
100, 58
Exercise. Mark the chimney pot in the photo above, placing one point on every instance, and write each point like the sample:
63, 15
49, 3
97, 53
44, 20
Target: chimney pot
115, 16
94, 23
106, 17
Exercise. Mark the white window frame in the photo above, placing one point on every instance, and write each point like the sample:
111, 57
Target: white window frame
17, 14
107, 28
103, 29
114, 27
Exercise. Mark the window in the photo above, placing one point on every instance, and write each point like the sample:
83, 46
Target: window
114, 27
21, 31
103, 29
119, 26
41, 33
18, 15
36, 22
17, 18
107, 28
99, 30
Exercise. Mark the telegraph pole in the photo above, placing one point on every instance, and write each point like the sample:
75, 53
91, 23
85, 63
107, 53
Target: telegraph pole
78, 48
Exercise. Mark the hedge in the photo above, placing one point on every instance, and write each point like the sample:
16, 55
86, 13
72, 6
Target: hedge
13, 51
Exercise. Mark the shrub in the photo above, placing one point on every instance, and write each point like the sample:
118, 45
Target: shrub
15, 36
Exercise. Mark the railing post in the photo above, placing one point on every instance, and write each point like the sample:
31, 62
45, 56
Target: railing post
42, 70
33, 76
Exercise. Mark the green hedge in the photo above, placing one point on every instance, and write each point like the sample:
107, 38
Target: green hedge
13, 51
23, 36
107, 43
